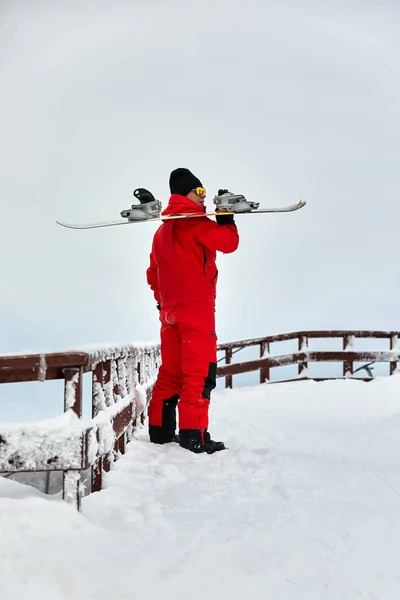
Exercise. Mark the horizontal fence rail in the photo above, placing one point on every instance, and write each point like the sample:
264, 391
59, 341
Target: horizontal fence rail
122, 380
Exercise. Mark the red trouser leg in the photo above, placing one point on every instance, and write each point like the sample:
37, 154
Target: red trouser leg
199, 363
169, 380
189, 362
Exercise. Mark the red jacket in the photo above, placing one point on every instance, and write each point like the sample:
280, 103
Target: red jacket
182, 260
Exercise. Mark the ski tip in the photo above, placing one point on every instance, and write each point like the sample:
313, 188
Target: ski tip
69, 225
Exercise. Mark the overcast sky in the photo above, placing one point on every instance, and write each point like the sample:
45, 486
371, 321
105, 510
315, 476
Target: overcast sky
275, 100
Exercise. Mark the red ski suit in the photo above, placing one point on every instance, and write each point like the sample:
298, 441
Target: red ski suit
183, 276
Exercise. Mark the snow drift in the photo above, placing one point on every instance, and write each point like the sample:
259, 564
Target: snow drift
304, 504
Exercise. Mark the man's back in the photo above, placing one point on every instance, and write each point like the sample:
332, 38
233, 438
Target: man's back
182, 262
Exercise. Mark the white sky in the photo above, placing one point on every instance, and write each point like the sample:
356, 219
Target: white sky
279, 101
304, 504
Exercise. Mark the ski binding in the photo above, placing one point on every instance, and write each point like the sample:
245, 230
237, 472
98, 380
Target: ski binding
149, 207
237, 203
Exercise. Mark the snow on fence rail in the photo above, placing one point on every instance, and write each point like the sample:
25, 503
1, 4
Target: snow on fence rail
122, 379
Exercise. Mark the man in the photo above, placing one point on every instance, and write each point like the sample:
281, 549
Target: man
183, 276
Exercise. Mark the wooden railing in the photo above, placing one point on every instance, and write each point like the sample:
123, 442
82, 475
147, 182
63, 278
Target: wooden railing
122, 379
304, 355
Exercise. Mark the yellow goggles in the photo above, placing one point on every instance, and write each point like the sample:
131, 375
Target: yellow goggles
200, 191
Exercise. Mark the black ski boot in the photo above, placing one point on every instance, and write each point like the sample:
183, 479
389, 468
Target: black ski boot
199, 441
165, 433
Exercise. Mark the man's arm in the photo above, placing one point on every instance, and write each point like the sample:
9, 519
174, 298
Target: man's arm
152, 278
217, 237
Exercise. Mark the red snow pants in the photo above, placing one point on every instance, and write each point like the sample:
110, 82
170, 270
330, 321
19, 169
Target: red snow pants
189, 363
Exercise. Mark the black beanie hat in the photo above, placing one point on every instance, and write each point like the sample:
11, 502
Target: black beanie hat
182, 181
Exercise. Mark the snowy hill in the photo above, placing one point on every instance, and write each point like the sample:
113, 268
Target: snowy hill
305, 504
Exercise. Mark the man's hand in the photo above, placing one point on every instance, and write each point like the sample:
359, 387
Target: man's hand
224, 219
221, 218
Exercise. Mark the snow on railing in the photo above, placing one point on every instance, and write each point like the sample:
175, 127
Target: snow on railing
38, 445
122, 379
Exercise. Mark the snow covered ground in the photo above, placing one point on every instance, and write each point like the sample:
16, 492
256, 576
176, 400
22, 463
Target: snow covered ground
305, 504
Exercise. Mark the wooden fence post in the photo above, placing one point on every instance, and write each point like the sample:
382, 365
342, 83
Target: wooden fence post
264, 371
97, 404
393, 346
228, 360
72, 399
348, 366
302, 368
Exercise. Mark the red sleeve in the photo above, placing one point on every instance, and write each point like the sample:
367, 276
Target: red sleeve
221, 238
152, 278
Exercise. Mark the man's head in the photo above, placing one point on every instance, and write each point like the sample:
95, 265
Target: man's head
183, 182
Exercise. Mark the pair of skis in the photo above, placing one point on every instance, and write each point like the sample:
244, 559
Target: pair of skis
126, 221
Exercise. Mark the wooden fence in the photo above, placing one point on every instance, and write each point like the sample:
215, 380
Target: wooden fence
122, 379
304, 355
